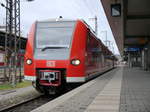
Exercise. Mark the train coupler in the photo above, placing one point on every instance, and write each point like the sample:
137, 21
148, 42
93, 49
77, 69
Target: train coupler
50, 77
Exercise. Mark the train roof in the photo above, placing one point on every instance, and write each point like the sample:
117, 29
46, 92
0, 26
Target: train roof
58, 19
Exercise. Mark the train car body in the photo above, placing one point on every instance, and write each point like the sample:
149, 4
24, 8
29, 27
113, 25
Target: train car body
64, 51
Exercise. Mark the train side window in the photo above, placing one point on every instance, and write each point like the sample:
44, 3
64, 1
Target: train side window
88, 39
88, 44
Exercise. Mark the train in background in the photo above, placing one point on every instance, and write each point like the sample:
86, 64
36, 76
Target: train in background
60, 52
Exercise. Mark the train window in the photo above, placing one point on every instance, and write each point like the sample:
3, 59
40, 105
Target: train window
88, 40
54, 34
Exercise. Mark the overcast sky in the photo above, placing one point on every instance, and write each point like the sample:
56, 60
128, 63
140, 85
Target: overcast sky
68, 9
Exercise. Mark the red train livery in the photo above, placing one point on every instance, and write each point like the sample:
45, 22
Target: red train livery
64, 51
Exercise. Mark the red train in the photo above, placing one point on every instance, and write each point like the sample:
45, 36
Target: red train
64, 51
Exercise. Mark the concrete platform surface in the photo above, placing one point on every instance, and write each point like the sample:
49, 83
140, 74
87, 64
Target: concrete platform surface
135, 92
108, 99
120, 90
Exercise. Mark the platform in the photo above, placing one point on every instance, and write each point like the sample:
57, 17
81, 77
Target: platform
135, 92
123, 89
9, 98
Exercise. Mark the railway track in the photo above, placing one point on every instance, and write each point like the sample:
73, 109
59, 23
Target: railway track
34, 103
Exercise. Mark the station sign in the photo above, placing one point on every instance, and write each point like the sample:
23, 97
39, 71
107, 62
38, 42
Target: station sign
133, 49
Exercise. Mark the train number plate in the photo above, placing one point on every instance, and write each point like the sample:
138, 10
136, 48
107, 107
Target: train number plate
49, 76
48, 73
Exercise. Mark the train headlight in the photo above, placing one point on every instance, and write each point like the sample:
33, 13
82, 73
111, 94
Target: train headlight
75, 62
29, 61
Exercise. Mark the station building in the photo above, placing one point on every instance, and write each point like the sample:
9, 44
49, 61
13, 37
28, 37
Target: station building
2, 47
130, 24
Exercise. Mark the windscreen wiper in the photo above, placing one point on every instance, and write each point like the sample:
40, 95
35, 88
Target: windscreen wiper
48, 47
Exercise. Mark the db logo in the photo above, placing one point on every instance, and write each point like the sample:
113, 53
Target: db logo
50, 63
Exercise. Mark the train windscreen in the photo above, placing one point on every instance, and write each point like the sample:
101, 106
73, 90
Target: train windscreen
54, 34
53, 40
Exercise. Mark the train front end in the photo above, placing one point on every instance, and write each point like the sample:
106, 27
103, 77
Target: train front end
47, 54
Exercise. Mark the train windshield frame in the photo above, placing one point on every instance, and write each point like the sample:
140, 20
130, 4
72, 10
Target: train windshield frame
54, 34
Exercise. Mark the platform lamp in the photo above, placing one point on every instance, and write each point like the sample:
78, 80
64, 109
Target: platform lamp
116, 10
